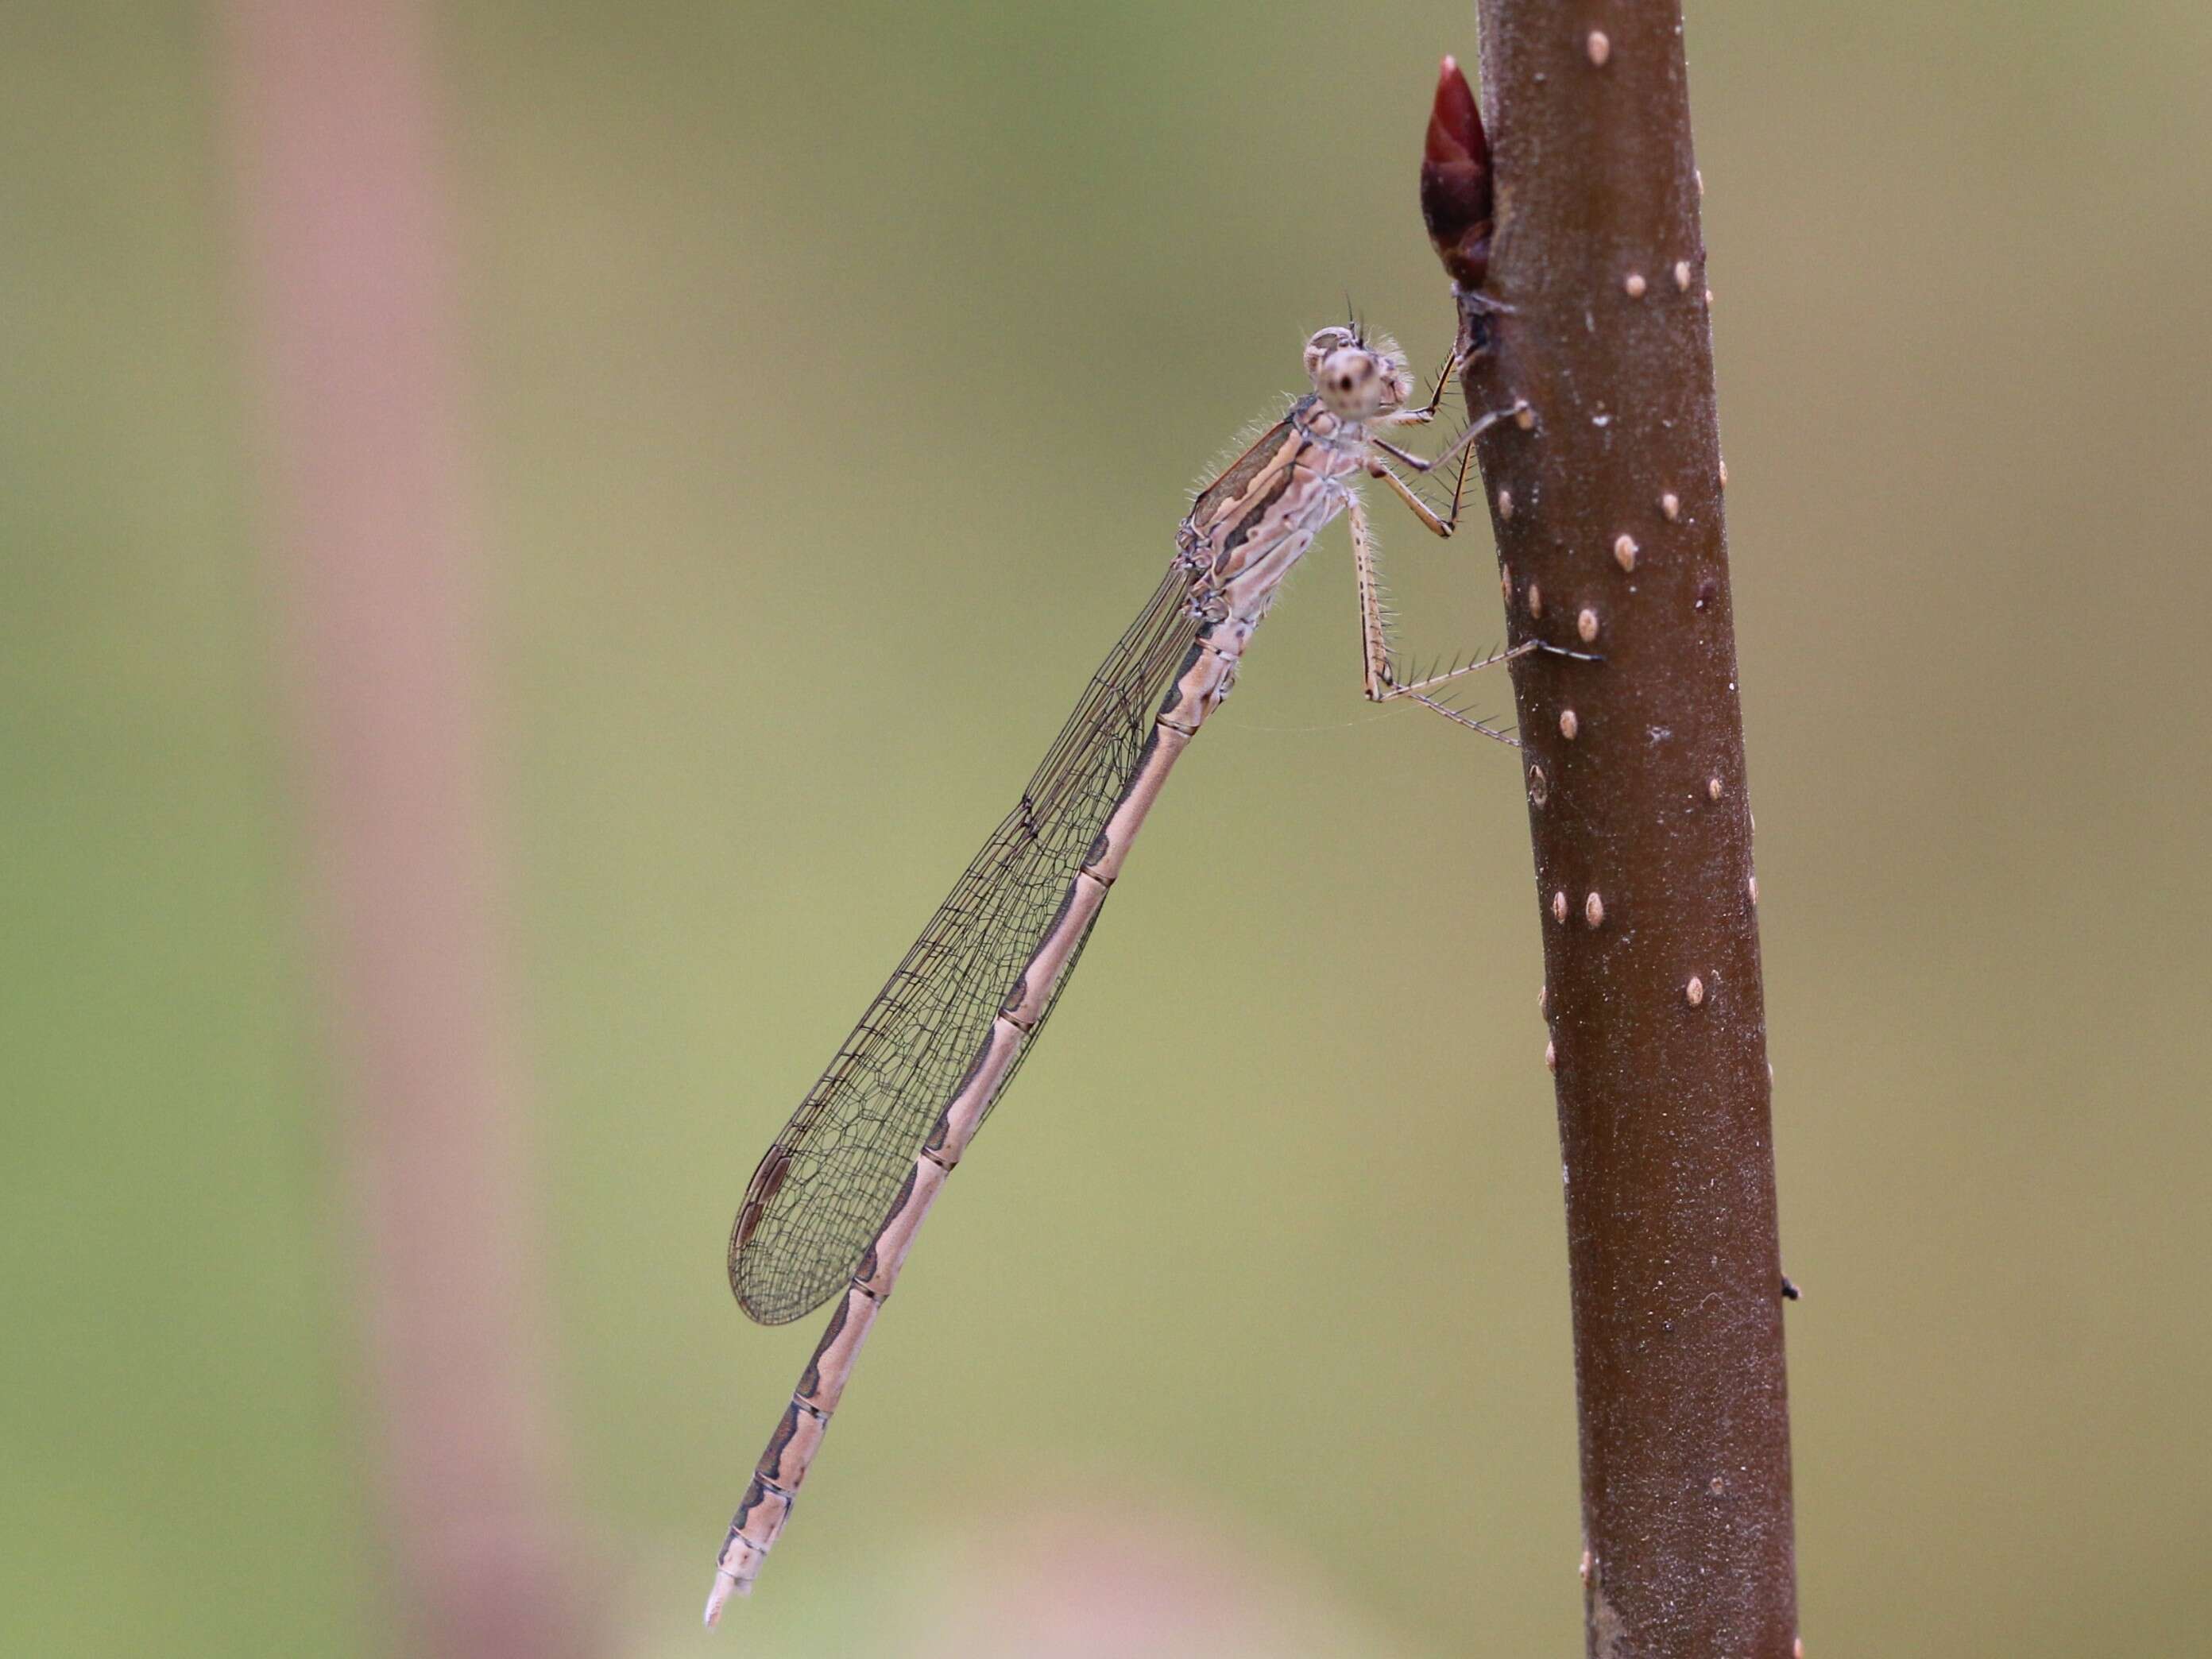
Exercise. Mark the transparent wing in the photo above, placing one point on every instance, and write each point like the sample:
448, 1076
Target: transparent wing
821, 1193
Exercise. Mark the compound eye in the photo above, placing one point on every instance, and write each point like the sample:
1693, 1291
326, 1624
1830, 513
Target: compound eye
1323, 343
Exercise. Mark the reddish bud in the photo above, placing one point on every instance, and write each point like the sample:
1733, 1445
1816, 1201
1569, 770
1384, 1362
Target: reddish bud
1455, 123
1455, 198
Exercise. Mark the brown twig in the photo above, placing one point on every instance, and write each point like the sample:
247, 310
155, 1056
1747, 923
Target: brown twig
1587, 299
351, 321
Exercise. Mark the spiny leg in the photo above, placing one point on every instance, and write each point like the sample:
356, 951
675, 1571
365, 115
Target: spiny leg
1461, 449
1419, 508
1475, 428
1453, 362
1380, 682
1427, 411
1375, 674
1444, 528
1379, 678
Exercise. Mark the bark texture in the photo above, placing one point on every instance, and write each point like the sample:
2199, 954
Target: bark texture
1608, 520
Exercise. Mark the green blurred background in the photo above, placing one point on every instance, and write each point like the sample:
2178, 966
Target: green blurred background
832, 370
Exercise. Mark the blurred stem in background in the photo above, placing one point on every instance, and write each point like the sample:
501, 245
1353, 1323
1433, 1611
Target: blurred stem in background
350, 311
1587, 296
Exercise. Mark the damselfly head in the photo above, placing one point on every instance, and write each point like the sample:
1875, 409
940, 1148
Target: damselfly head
1357, 379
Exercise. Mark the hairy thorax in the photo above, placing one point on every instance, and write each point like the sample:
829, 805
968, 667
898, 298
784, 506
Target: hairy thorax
1247, 532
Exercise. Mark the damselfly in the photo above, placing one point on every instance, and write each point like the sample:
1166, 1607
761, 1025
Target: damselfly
834, 1208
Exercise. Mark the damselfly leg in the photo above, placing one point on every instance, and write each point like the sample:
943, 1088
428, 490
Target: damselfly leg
1461, 449
1427, 411
1380, 676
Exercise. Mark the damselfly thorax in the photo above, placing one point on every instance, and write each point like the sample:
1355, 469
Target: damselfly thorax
836, 1204
1247, 530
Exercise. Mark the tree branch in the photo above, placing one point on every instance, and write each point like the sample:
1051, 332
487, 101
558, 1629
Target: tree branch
1587, 299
